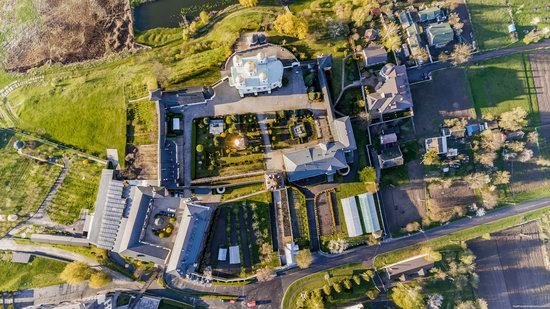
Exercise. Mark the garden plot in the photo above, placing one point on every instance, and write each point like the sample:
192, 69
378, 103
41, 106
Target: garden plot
445, 202
141, 140
227, 146
512, 268
298, 217
404, 204
327, 217
291, 128
247, 224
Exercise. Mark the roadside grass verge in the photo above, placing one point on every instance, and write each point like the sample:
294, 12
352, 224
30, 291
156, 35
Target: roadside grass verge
501, 84
457, 237
77, 192
39, 272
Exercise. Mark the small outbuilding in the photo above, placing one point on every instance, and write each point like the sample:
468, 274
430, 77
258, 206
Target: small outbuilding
413, 267
375, 54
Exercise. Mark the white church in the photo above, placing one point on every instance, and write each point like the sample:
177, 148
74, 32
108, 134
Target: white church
256, 74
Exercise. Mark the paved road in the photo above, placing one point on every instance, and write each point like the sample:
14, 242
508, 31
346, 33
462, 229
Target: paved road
418, 74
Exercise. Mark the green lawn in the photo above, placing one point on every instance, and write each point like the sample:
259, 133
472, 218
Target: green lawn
491, 18
237, 191
40, 272
23, 185
501, 84
78, 191
317, 280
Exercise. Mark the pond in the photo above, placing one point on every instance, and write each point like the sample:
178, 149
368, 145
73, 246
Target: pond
168, 13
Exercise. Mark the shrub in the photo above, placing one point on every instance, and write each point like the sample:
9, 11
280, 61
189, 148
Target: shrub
199, 148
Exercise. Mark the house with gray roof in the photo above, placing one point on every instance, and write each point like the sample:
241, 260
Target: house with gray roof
374, 54
416, 266
439, 35
391, 95
325, 158
390, 157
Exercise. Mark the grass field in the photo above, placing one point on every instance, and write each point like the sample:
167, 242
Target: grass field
40, 272
23, 185
491, 18
501, 84
78, 191
142, 123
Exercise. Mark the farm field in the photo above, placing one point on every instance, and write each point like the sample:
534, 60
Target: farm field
501, 84
40, 272
512, 267
24, 184
77, 192
491, 18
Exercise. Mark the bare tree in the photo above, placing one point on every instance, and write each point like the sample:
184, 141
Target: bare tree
461, 54
264, 274
525, 155
420, 54
513, 120
477, 180
501, 178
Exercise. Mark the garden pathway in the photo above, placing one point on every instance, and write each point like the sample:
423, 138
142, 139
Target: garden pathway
273, 159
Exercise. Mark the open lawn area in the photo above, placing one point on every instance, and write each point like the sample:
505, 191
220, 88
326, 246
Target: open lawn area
501, 84
491, 18
24, 184
77, 192
40, 272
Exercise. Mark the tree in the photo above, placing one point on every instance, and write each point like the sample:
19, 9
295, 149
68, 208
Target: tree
454, 21
248, 3
99, 279
455, 123
392, 43
431, 158
435, 301
315, 300
75, 273
327, 289
516, 146
408, 296
364, 118
199, 148
471, 304
343, 9
356, 279
347, 283
420, 54
443, 57
291, 25
501, 178
431, 255
525, 155
304, 258
367, 275
337, 246
533, 137
477, 180
337, 287
367, 174
372, 294
412, 227
513, 120
204, 17
461, 54
264, 274
486, 158
361, 15
492, 140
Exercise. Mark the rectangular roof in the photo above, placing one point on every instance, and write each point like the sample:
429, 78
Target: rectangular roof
368, 212
344, 133
409, 265
234, 256
353, 222
189, 239
315, 161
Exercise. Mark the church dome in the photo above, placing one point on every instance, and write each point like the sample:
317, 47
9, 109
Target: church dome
237, 60
250, 67
261, 57
263, 76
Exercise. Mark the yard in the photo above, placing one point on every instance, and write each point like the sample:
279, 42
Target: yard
142, 123
491, 18
245, 223
40, 272
298, 217
235, 149
24, 185
500, 84
77, 192
292, 128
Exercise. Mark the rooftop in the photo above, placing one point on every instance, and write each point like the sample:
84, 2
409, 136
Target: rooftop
393, 94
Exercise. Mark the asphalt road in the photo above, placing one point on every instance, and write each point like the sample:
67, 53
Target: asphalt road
272, 292
420, 73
